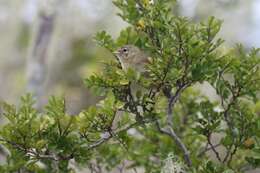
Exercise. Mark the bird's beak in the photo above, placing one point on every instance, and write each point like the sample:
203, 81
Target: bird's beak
116, 52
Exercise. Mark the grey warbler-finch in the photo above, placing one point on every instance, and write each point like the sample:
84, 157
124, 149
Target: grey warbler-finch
131, 56
134, 58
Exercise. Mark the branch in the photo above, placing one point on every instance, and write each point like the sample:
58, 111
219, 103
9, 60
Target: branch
206, 149
213, 147
109, 135
232, 154
170, 132
32, 152
172, 99
235, 95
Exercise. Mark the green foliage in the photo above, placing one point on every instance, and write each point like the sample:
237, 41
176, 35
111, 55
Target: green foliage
166, 114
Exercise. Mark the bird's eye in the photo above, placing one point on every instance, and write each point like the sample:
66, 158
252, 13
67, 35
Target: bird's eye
125, 50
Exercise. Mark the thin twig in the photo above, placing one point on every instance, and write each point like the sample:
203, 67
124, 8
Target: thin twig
33, 153
227, 154
234, 98
232, 154
213, 148
206, 149
109, 136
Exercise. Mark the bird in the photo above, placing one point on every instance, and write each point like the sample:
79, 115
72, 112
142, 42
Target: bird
130, 56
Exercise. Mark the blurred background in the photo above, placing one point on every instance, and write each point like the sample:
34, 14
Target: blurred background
47, 46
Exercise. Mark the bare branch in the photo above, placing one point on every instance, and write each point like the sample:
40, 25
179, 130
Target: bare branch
235, 95
108, 135
206, 149
121, 167
172, 99
170, 132
213, 147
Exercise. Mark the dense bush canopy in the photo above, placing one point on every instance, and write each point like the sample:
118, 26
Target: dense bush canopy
166, 116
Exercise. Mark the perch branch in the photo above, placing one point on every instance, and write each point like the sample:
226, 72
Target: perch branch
172, 99
171, 133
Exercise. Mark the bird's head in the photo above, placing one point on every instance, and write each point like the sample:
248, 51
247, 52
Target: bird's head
131, 56
127, 52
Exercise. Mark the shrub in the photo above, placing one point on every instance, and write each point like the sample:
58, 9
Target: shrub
167, 114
